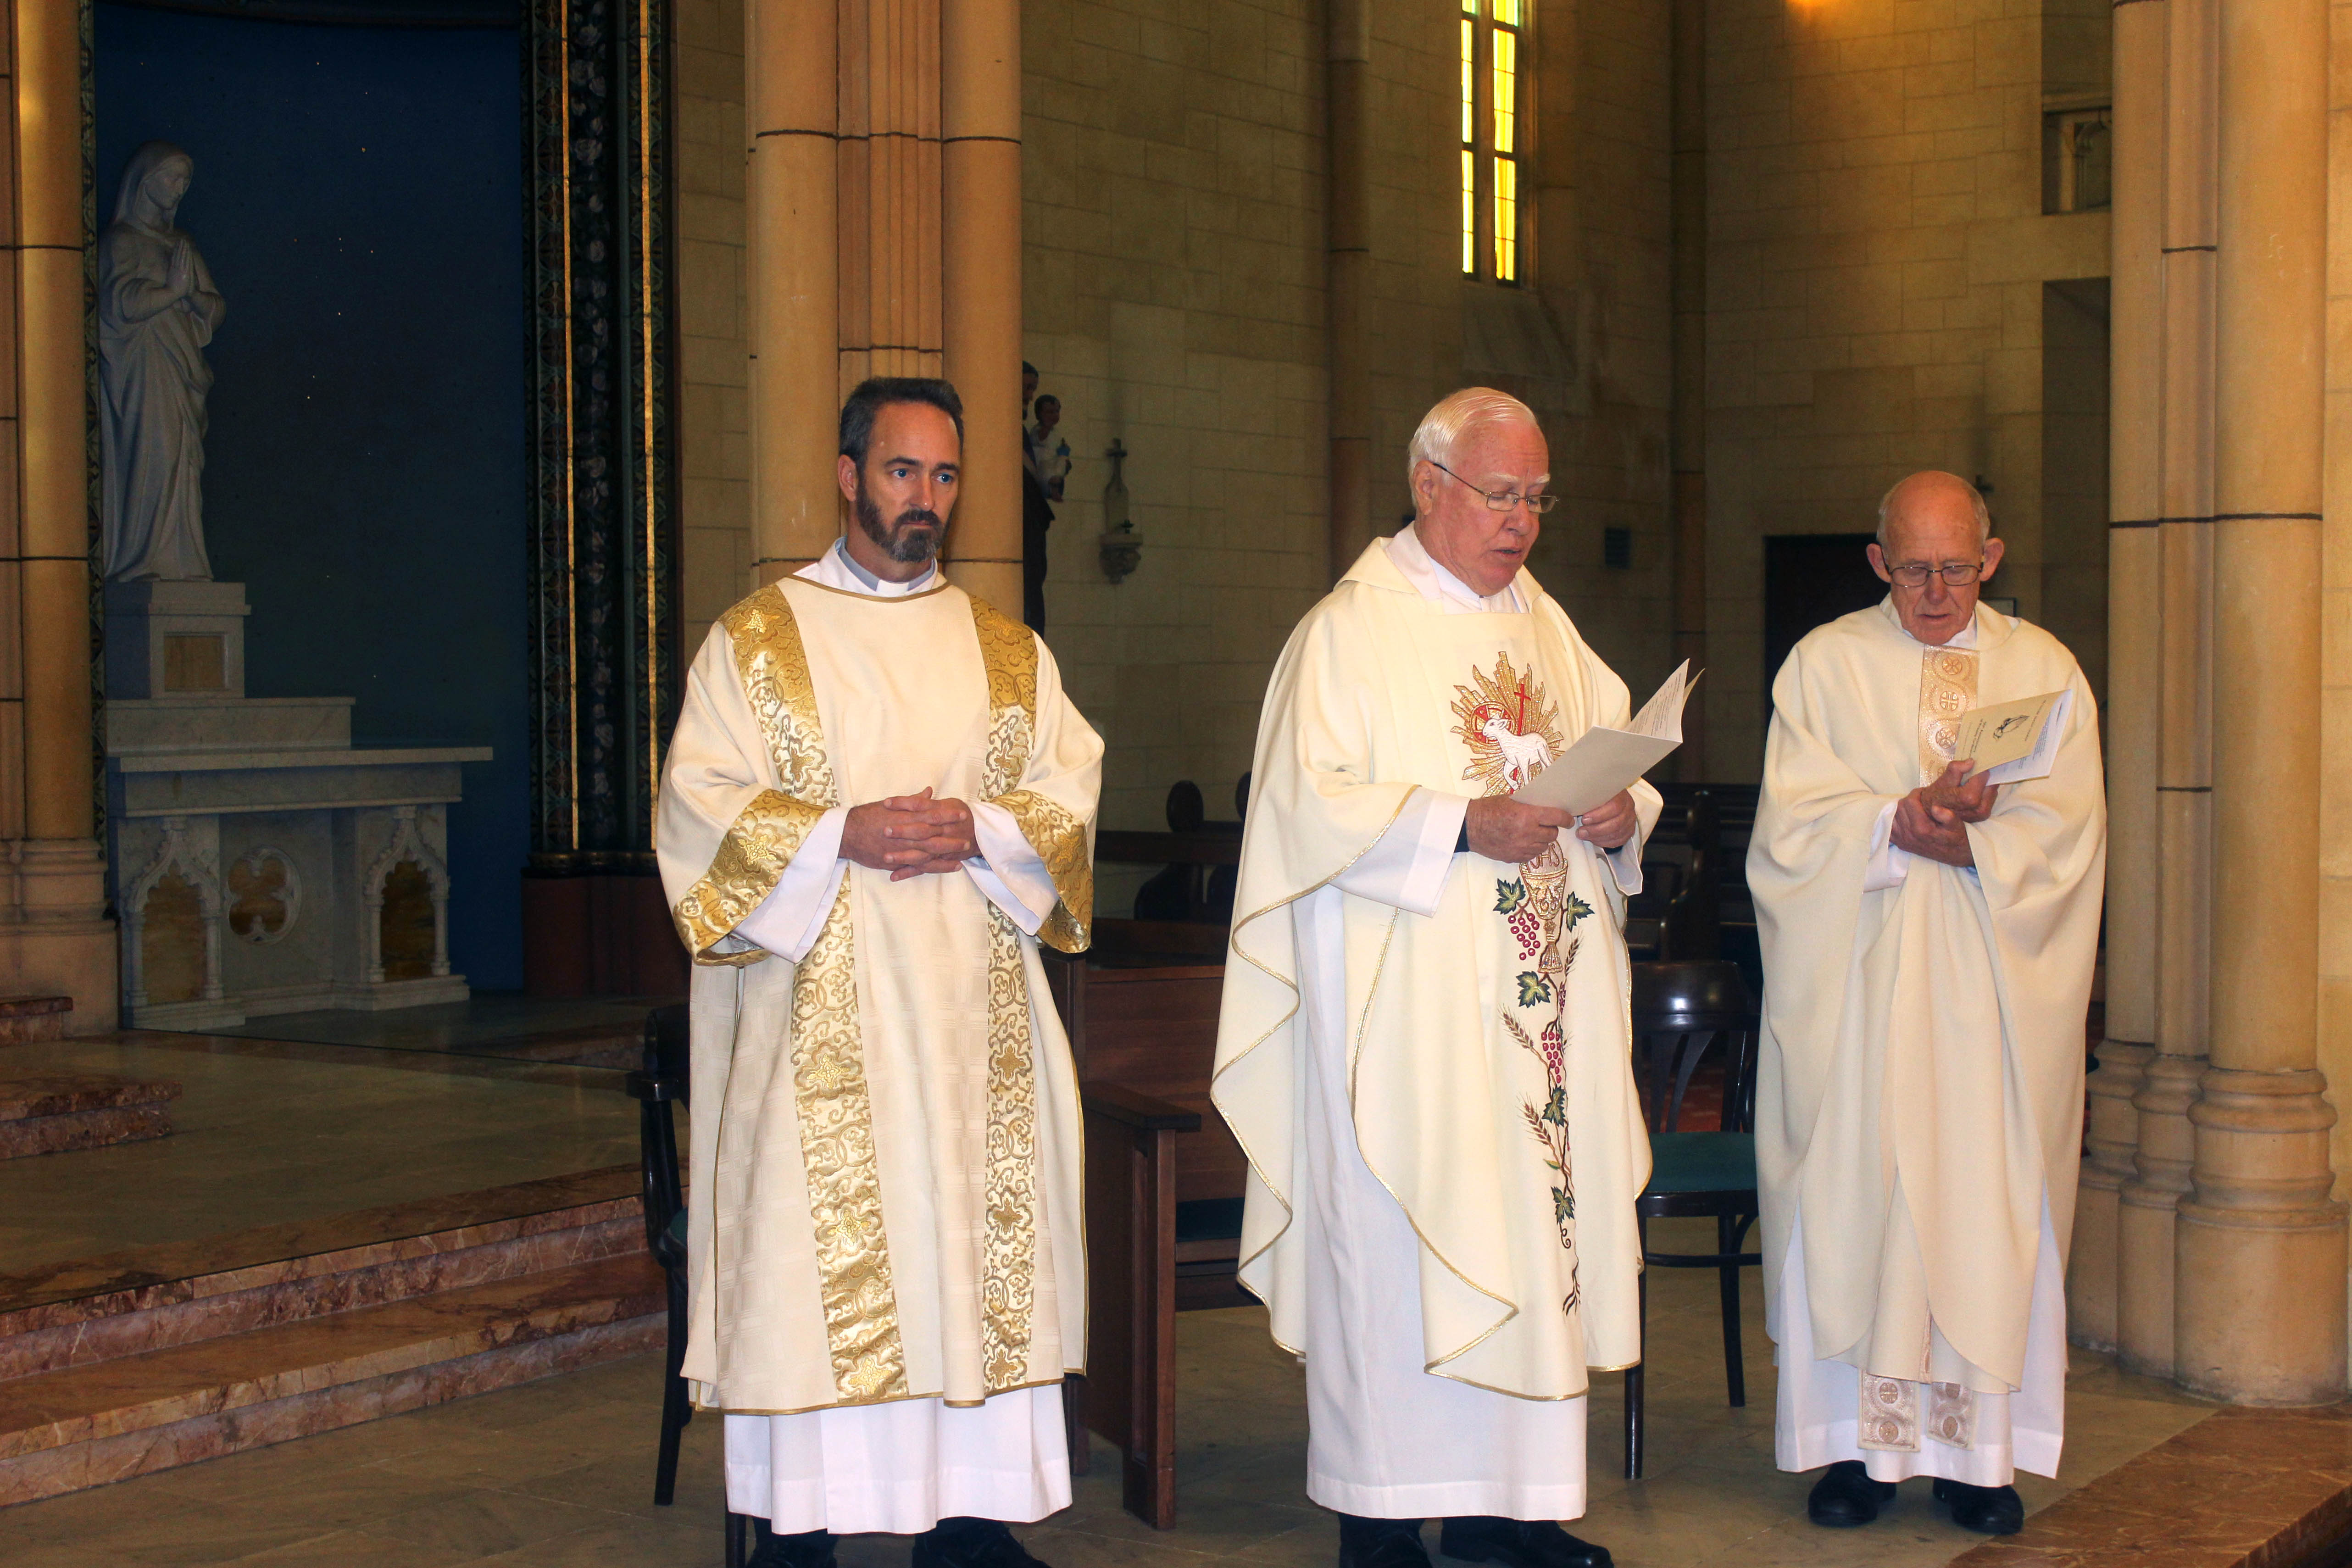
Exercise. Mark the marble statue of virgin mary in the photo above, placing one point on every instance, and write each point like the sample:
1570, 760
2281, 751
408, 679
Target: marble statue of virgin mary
157, 309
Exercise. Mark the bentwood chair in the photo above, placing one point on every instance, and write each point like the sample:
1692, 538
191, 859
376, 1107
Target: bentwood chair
1683, 1013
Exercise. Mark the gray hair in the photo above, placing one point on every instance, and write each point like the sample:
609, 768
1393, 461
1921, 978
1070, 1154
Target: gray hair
1982, 512
1455, 416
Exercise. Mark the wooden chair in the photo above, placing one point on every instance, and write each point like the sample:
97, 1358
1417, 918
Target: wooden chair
665, 1080
1130, 1390
1682, 1012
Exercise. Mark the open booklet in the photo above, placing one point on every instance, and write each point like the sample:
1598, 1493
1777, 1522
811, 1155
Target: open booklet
2012, 742
1604, 760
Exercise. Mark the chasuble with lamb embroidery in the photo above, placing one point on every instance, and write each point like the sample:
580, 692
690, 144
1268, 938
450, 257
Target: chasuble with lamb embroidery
1425, 1054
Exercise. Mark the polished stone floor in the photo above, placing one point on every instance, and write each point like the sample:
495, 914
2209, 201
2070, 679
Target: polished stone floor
487, 1024
270, 1132
559, 1473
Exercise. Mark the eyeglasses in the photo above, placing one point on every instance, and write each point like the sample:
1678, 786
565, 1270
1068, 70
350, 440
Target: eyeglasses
1499, 501
1956, 573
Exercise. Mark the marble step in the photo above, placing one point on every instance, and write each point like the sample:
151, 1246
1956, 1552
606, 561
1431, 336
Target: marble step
24, 1020
81, 1310
85, 1425
50, 1113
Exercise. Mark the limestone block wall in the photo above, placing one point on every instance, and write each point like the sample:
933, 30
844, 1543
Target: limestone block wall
1876, 263
714, 442
1173, 275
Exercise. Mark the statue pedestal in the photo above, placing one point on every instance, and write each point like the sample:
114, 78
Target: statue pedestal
259, 864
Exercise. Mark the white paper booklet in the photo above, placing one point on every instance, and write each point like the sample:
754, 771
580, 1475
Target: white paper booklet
2013, 742
1604, 760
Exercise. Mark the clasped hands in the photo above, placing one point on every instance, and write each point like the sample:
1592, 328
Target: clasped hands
1933, 819
910, 835
1503, 829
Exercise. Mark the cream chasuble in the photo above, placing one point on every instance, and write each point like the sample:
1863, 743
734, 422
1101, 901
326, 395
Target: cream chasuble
885, 1203
1919, 1096
1425, 1055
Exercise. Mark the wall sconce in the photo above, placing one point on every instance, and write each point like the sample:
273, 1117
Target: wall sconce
1122, 546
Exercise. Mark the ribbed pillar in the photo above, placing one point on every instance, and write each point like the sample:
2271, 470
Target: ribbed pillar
1688, 429
889, 215
2260, 1308
980, 93
1347, 274
2183, 771
793, 271
2136, 368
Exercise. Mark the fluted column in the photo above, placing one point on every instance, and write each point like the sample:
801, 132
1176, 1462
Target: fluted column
2259, 1308
793, 282
1347, 274
2133, 623
980, 262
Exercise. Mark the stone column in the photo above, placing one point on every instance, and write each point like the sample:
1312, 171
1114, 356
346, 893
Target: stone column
980, 125
792, 269
2133, 621
2259, 1304
59, 939
1688, 433
2183, 774
1348, 276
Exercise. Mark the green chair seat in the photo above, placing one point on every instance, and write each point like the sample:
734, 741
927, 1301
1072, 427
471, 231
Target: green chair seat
1701, 1162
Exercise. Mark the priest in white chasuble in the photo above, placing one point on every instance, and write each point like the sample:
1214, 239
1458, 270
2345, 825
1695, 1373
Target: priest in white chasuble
1423, 1047
1929, 940
877, 803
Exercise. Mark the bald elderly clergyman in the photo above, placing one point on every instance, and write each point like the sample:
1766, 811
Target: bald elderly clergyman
1928, 939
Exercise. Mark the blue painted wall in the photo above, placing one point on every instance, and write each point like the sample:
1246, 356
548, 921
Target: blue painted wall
358, 197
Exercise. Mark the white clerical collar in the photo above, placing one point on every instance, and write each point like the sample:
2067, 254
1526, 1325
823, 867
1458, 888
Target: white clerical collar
1965, 639
834, 569
1435, 584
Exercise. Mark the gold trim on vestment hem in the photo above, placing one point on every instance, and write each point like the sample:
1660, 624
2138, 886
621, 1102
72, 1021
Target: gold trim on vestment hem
751, 860
1234, 944
870, 599
892, 1399
844, 1178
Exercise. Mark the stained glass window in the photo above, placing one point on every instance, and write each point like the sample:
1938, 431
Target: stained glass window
1493, 61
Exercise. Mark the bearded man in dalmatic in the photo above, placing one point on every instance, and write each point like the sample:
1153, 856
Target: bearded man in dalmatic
1928, 939
1423, 1047
877, 803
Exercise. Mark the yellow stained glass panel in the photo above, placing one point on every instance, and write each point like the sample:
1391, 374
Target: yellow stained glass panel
1507, 220
1469, 83
1507, 13
1507, 90
1469, 211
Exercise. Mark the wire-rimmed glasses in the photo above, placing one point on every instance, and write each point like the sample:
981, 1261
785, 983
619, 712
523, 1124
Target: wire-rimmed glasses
1500, 500
1915, 574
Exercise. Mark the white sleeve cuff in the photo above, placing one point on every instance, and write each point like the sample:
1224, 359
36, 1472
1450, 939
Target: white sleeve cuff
1009, 871
1625, 864
1407, 868
1888, 864
791, 917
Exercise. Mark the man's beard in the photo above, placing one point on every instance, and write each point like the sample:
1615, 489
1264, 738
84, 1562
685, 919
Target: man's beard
905, 539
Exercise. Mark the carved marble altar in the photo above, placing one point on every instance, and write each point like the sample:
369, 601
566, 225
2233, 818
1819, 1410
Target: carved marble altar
260, 864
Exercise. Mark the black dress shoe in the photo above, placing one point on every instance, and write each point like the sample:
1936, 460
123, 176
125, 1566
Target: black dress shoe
1381, 1543
1846, 1496
1521, 1544
971, 1543
813, 1549
1988, 1511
